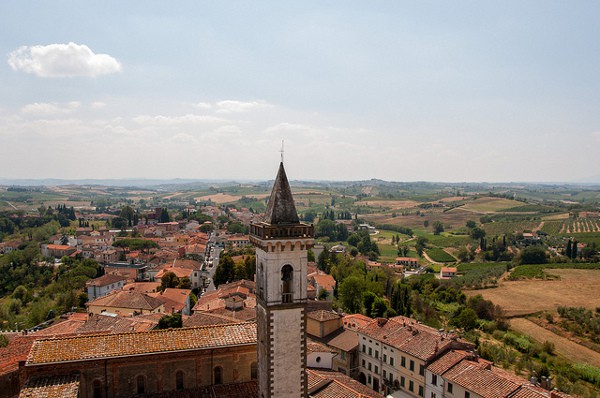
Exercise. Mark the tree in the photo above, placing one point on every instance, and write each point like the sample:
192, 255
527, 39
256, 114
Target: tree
569, 248
323, 294
465, 319
225, 271
533, 255
471, 224
477, 233
168, 280
379, 307
438, 227
170, 321
351, 293
574, 252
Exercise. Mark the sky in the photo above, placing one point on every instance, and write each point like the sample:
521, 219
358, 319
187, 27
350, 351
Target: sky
460, 91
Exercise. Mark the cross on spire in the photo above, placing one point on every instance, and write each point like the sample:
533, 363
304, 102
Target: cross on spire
281, 151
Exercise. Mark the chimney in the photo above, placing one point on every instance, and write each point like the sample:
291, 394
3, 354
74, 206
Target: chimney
381, 321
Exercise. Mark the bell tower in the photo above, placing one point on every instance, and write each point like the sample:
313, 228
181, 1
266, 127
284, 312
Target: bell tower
281, 242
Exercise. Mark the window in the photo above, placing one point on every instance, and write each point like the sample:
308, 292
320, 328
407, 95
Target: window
369, 379
467, 394
363, 363
376, 354
402, 381
391, 361
364, 347
411, 385
287, 278
412, 365
370, 352
141, 384
384, 374
343, 355
254, 371
218, 373
433, 395
403, 362
434, 380
96, 389
420, 391
421, 370
179, 380
376, 369
450, 388
385, 358
369, 367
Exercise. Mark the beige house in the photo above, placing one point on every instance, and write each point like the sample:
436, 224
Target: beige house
126, 303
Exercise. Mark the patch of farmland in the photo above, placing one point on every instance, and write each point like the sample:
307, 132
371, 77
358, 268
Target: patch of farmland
501, 228
491, 205
575, 288
562, 345
394, 204
439, 255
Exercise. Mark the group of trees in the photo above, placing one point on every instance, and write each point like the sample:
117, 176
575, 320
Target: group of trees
331, 230
229, 271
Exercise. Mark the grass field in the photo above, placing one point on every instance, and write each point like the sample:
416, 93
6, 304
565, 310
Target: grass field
501, 228
490, 205
575, 288
439, 255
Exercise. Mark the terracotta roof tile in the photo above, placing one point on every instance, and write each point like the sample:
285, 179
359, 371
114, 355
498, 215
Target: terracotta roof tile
322, 315
329, 384
106, 280
51, 387
128, 299
91, 347
345, 341
447, 361
479, 380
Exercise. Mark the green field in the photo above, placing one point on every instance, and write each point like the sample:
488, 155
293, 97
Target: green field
538, 271
502, 228
440, 255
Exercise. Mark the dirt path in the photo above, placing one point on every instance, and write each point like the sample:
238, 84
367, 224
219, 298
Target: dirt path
563, 346
430, 259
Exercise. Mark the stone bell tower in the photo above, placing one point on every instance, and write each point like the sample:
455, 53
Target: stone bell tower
281, 242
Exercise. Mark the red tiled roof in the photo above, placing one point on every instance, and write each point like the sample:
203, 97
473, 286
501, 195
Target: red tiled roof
325, 281
315, 346
172, 298
481, 381
207, 318
127, 299
110, 324
328, 384
16, 351
446, 361
322, 315
90, 347
106, 280
345, 341
51, 387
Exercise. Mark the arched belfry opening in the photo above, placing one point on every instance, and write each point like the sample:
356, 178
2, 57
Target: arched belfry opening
287, 284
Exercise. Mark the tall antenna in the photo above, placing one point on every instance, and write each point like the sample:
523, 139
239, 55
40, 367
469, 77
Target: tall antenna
281, 151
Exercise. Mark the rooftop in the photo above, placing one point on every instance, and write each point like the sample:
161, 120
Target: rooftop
52, 387
91, 347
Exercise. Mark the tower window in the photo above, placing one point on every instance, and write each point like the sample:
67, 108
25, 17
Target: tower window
287, 279
254, 371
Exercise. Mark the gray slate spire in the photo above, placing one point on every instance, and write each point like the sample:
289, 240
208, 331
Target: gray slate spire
281, 208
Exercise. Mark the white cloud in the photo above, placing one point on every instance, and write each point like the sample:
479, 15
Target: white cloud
62, 60
97, 105
175, 120
49, 108
230, 106
203, 105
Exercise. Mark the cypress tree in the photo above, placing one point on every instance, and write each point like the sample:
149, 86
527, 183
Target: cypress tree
569, 248
574, 251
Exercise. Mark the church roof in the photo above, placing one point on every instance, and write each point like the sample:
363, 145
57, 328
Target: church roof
281, 208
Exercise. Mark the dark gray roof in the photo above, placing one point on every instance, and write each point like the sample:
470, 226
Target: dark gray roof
281, 208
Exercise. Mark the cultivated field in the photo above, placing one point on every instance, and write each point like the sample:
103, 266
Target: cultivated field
575, 288
562, 345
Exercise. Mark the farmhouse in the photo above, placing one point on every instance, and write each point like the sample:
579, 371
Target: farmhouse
448, 272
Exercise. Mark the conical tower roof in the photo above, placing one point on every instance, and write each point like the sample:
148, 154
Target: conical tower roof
281, 208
